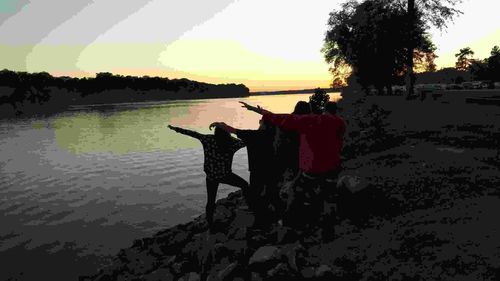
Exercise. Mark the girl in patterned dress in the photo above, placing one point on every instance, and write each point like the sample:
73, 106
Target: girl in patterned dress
219, 150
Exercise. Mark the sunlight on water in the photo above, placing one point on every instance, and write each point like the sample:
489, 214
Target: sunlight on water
125, 129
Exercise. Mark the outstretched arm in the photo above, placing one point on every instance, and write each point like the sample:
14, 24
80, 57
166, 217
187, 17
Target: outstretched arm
186, 132
223, 126
257, 108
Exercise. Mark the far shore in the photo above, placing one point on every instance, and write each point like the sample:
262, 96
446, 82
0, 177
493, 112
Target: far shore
292, 92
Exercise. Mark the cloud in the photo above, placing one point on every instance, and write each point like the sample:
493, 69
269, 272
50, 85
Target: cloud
44, 24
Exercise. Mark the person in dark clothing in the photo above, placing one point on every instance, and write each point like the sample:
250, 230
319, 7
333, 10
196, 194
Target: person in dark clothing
261, 164
321, 138
219, 150
287, 145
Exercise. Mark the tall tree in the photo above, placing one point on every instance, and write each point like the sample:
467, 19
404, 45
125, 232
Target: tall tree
410, 48
419, 14
434, 12
464, 59
369, 37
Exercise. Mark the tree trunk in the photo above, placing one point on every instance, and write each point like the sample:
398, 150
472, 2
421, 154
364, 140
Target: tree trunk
409, 63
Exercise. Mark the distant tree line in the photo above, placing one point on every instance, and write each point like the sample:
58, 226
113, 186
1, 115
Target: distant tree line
19, 89
487, 69
466, 69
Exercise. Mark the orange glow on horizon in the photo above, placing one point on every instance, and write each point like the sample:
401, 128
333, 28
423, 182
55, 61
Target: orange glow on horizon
253, 85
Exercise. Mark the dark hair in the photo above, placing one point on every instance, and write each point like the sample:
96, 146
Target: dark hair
301, 108
331, 107
222, 137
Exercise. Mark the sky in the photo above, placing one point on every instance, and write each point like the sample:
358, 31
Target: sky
264, 44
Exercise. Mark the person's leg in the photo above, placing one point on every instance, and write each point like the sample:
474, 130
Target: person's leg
293, 214
212, 186
235, 180
329, 212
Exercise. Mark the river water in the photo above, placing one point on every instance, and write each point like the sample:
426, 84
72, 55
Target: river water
78, 186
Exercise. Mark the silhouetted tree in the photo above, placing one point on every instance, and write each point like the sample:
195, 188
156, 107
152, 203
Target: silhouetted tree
371, 38
494, 64
464, 59
318, 100
424, 61
434, 12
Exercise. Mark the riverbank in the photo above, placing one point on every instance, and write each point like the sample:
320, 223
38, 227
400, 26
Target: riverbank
425, 176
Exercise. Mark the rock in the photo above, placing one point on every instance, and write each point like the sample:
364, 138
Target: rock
233, 248
264, 254
191, 276
351, 183
227, 272
180, 267
104, 277
141, 263
161, 274
290, 252
168, 261
280, 270
222, 214
308, 272
256, 276
123, 277
243, 218
180, 237
193, 248
324, 271
239, 233
285, 235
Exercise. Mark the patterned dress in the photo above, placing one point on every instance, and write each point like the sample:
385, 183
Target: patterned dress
218, 160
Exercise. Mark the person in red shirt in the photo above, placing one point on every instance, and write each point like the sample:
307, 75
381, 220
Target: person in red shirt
321, 139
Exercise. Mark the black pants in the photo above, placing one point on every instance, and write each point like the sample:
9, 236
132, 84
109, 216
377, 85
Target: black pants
213, 185
310, 201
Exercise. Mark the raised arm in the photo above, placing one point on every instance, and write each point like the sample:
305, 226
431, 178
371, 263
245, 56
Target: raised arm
257, 108
292, 122
186, 132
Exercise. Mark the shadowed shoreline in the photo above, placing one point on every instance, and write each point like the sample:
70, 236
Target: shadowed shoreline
424, 176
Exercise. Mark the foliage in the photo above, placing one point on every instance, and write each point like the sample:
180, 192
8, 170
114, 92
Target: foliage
40, 88
318, 100
493, 63
432, 12
369, 37
485, 69
424, 61
464, 59
376, 38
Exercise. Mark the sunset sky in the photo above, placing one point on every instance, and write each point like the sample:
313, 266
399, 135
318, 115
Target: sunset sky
264, 44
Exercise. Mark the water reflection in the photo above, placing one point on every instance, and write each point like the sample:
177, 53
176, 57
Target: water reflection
122, 129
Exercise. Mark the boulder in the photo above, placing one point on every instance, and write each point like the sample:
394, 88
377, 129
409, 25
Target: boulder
307, 272
141, 263
280, 270
191, 276
324, 271
351, 183
227, 272
161, 274
264, 254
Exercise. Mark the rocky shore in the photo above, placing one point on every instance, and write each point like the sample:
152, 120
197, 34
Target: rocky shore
419, 198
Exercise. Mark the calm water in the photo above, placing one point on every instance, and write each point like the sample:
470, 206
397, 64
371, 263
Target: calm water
77, 187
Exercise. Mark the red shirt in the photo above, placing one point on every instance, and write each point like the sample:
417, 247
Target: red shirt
321, 138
